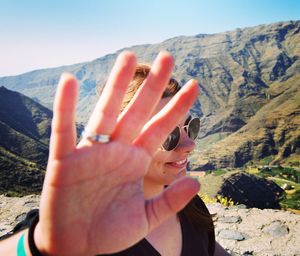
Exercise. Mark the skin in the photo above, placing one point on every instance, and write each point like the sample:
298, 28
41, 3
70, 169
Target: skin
91, 190
164, 169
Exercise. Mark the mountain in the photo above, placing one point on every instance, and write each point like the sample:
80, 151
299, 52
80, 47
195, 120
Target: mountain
249, 91
24, 139
272, 134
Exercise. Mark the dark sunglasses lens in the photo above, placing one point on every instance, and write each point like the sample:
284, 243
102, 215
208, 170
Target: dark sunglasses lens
193, 128
172, 140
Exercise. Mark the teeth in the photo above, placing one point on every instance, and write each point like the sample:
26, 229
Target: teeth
181, 162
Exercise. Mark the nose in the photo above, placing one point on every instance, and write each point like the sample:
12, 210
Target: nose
186, 144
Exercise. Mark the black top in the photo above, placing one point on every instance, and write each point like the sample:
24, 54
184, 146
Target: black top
194, 242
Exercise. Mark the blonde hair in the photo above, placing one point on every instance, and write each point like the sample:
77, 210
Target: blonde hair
141, 73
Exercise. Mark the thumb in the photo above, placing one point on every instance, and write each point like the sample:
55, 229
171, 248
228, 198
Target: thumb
171, 201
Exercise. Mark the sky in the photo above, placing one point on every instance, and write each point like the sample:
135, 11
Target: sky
36, 34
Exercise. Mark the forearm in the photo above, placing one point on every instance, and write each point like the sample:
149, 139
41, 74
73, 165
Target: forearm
9, 246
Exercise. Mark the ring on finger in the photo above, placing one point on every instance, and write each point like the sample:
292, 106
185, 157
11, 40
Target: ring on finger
94, 137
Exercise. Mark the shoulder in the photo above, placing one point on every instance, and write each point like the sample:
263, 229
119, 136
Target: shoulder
198, 215
198, 202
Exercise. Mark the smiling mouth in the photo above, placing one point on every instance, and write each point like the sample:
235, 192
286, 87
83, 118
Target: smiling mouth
178, 164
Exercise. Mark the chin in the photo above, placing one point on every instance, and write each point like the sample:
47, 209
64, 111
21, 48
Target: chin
174, 178
181, 174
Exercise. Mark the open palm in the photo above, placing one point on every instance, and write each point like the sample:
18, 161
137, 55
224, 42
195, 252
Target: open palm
92, 200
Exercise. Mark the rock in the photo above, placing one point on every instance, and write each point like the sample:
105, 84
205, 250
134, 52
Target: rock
276, 229
242, 206
231, 234
215, 208
264, 231
14, 210
251, 191
231, 219
247, 253
21, 217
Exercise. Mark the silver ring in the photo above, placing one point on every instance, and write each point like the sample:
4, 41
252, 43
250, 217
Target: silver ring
92, 136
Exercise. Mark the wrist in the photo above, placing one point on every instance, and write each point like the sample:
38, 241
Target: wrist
35, 238
31, 242
36, 241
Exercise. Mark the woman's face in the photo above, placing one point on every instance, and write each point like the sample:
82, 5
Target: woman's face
166, 166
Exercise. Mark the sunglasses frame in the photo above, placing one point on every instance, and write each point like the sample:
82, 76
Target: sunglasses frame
185, 127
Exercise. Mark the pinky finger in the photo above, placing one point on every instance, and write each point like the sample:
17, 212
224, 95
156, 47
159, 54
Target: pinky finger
164, 121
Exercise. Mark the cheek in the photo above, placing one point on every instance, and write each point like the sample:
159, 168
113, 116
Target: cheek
158, 161
161, 157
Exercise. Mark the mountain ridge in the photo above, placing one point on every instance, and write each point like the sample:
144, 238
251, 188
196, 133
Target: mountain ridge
236, 71
25, 128
200, 35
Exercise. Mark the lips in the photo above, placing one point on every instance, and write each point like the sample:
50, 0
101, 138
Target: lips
178, 164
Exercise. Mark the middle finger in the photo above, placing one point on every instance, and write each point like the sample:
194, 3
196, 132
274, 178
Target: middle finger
140, 108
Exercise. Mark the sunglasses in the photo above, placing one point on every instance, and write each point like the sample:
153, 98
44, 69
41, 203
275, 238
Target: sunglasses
191, 127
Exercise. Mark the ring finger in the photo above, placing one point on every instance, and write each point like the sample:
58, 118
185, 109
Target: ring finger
104, 117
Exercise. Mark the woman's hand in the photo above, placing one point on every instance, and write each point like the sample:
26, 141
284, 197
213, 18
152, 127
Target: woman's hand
92, 200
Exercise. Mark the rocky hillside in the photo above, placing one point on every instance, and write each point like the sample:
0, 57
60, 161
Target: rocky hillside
252, 231
249, 90
272, 133
25, 127
251, 191
240, 230
24, 138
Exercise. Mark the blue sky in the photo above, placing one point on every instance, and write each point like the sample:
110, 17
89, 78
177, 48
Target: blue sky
37, 34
